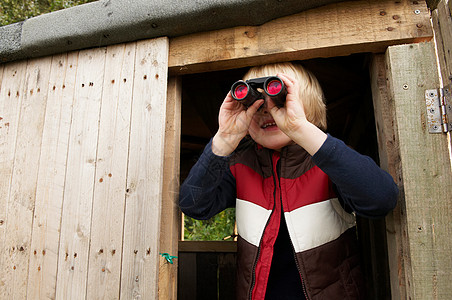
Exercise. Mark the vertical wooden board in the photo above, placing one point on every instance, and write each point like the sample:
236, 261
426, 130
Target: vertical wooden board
187, 276
10, 100
426, 172
2, 67
442, 24
52, 169
388, 149
111, 170
207, 275
170, 221
140, 258
22, 192
79, 182
227, 275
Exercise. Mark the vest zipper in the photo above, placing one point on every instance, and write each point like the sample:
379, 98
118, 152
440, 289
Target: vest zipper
253, 282
290, 239
303, 285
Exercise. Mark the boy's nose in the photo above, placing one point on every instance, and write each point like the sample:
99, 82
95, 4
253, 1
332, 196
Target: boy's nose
263, 109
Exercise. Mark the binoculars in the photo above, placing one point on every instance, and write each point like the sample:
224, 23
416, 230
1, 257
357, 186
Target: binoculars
246, 91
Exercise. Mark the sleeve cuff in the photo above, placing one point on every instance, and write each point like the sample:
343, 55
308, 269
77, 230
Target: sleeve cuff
210, 156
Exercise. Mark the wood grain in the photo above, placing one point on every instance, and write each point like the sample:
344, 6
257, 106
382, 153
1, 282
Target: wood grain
80, 175
327, 31
426, 174
171, 216
51, 178
140, 260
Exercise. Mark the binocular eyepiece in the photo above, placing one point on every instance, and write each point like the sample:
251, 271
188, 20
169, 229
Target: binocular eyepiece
246, 91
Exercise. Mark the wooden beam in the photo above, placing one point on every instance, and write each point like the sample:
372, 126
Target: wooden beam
333, 30
171, 217
388, 149
426, 177
207, 246
432, 4
442, 25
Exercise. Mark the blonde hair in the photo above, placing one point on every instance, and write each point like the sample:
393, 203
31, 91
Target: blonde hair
311, 93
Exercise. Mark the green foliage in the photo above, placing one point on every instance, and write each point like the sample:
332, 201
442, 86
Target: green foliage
12, 11
218, 228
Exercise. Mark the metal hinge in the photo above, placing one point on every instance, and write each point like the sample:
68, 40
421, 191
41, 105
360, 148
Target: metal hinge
439, 109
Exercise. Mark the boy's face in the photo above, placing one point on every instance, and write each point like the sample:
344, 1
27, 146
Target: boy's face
263, 130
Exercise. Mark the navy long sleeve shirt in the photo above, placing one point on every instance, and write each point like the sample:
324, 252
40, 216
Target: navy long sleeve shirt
364, 187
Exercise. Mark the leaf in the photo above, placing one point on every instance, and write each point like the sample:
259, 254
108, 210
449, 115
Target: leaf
217, 228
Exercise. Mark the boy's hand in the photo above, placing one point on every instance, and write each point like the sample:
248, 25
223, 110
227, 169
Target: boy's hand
291, 119
233, 123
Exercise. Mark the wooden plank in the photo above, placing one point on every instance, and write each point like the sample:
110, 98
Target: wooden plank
145, 172
372, 238
3, 144
187, 276
79, 182
432, 4
227, 276
11, 89
207, 276
111, 171
388, 149
426, 173
171, 217
2, 67
22, 192
333, 30
207, 246
51, 178
442, 25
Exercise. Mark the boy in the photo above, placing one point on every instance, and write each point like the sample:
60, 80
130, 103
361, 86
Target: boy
296, 191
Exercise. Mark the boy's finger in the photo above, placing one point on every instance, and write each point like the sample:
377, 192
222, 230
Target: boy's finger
253, 108
286, 78
289, 82
231, 103
229, 98
270, 104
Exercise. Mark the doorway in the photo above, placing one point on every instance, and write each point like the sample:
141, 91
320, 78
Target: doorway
346, 84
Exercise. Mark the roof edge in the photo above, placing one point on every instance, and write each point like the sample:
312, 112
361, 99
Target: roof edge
107, 22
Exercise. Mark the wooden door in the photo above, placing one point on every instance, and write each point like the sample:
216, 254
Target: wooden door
81, 160
419, 229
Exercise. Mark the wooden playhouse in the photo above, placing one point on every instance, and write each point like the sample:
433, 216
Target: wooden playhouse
95, 138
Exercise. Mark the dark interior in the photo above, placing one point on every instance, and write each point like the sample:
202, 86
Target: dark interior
345, 82
346, 85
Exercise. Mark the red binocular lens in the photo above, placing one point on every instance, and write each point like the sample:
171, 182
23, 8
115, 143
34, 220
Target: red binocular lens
246, 91
274, 87
240, 91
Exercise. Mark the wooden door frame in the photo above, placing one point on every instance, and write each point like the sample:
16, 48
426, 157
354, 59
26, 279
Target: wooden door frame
304, 36
418, 229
